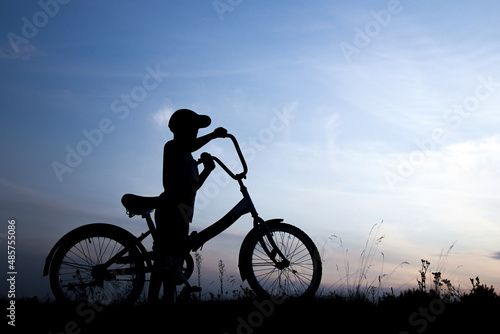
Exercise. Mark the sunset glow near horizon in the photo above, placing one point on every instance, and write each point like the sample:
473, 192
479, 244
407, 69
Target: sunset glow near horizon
349, 115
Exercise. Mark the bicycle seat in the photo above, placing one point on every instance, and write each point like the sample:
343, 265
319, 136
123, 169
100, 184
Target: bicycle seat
139, 205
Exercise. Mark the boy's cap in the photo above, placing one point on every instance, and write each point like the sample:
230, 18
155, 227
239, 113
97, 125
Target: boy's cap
188, 119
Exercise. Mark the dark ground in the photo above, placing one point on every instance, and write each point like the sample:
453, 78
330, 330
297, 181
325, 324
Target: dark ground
413, 312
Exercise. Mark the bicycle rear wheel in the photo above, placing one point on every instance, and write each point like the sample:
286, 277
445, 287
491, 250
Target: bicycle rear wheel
298, 275
99, 264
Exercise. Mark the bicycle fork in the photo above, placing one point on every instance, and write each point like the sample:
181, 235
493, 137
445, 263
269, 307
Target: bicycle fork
275, 251
260, 223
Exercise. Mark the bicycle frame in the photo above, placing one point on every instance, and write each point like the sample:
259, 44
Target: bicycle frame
199, 238
243, 207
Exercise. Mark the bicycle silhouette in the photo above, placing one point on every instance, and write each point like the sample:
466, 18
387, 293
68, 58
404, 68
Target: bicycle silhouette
107, 264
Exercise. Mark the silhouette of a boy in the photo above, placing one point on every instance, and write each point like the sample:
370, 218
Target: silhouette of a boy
181, 180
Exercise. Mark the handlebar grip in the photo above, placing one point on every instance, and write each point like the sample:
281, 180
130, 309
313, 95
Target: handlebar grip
204, 157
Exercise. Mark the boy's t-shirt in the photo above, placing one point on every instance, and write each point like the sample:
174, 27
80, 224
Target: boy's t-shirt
180, 174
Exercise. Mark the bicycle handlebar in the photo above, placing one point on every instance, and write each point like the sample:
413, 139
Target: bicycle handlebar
239, 176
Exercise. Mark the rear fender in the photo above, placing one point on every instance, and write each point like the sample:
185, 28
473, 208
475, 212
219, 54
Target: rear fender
78, 231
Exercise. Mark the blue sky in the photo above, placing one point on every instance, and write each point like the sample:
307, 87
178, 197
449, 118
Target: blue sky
350, 113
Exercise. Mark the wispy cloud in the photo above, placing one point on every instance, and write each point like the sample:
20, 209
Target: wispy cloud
34, 206
162, 116
25, 51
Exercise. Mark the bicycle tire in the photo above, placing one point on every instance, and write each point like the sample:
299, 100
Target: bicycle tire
301, 278
76, 275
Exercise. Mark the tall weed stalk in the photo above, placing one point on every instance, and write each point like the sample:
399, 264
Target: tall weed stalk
358, 284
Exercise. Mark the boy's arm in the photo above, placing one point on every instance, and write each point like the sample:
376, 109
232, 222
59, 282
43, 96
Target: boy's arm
208, 167
203, 140
203, 176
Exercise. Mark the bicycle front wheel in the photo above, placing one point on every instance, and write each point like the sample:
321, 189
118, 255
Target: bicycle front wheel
298, 275
99, 264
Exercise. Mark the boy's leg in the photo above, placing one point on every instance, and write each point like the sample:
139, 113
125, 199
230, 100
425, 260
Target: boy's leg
157, 274
175, 242
160, 253
154, 287
172, 233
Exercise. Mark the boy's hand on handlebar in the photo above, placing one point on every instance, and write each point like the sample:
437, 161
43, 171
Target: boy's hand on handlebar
220, 133
208, 161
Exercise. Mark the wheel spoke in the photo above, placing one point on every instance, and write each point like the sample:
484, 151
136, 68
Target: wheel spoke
297, 274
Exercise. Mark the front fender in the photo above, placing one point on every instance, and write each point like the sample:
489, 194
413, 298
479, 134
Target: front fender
246, 244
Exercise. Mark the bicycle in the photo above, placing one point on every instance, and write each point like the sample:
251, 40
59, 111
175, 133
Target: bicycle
107, 264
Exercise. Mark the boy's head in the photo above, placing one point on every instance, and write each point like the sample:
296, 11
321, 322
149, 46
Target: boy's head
185, 121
